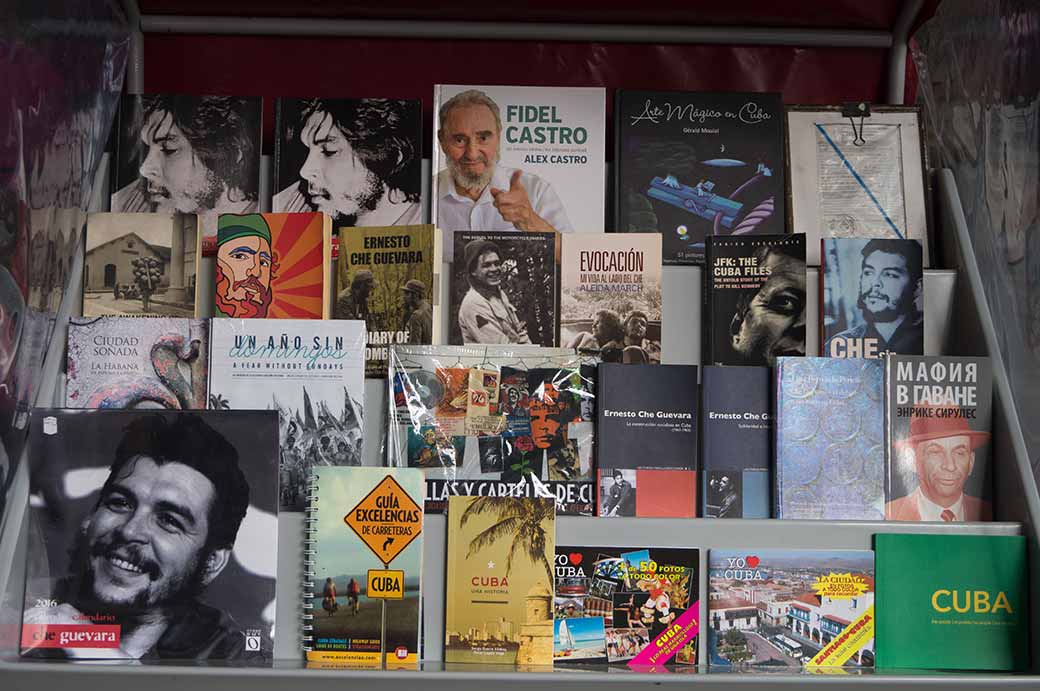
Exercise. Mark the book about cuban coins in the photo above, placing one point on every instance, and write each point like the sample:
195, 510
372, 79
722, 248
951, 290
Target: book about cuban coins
872, 297
274, 266
830, 438
363, 599
499, 606
359, 160
188, 154
389, 277
646, 438
958, 602
312, 373
140, 264
518, 158
938, 416
610, 296
754, 299
691, 165
736, 441
504, 288
123, 362
487, 420
792, 608
639, 606
153, 536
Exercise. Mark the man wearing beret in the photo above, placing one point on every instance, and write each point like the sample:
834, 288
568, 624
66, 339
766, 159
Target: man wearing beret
245, 265
486, 315
418, 320
352, 303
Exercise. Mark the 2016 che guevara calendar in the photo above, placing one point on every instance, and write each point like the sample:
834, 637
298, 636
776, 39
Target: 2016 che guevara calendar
494, 421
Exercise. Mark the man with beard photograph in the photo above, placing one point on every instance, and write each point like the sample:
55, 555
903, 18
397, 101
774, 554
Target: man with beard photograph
192, 154
886, 276
418, 321
352, 303
245, 266
358, 160
155, 562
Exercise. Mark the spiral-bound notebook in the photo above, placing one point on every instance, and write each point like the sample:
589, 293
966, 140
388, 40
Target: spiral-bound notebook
362, 594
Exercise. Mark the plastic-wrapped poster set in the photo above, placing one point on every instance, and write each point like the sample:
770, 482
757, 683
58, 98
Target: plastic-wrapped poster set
495, 421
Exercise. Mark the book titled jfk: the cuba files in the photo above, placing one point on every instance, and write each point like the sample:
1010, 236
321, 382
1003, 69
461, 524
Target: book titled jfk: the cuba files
698, 164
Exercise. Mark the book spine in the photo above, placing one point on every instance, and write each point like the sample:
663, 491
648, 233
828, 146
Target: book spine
707, 314
778, 484
887, 436
310, 551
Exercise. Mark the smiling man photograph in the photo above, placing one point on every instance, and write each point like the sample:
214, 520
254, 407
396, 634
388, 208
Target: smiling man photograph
486, 315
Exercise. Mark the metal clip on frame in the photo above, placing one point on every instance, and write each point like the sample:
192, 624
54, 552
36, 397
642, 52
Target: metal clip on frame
853, 110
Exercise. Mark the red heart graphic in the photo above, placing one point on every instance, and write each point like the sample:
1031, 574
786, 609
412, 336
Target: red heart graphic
575, 557
752, 562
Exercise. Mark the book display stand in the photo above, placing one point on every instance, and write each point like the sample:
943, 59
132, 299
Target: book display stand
959, 323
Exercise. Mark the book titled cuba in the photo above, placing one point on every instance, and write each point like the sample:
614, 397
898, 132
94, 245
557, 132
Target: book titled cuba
952, 602
736, 441
788, 608
829, 438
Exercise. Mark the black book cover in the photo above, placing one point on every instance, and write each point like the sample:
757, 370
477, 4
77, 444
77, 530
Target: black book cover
754, 299
736, 441
646, 440
691, 165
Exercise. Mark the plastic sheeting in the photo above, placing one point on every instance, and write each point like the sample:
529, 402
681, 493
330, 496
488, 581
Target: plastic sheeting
978, 79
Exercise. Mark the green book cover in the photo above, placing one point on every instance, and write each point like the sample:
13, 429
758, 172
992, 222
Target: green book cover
952, 602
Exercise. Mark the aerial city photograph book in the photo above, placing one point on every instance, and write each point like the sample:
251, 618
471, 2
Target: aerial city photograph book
830, 435
938, 416
777, 608
646, 440
754, 299
154, 539
275, 266
188, 154
871, 297
364, 590
610, 296
639, 606
359, 160
953, 602
690, 165
504, 288
312, 373
518, 158
499, 606
389, 278
125, 362
140, 264
736, 441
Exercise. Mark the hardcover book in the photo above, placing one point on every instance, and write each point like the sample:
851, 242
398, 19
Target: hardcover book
830, 458
938, 412
188, 154
646, 436
754, 299
155, 535
504, 288
736, 441
872, 297
610, 296
518, 158
952, 602
140, 264
792, 608
499, 609
312, 373
691, 165
122, 362
635, 605
389, 277
274, 266
364, 591
359, 160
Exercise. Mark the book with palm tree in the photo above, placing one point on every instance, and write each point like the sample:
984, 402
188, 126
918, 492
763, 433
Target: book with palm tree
500, 580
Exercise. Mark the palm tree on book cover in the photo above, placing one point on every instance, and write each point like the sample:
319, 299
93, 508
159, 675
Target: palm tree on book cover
520, 518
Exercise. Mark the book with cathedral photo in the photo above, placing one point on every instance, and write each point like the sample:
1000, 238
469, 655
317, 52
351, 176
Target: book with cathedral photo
518, 158
140, 265
499, 607
389, 277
